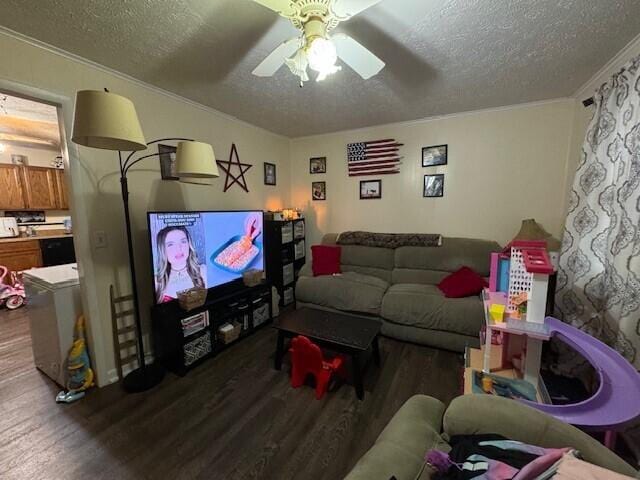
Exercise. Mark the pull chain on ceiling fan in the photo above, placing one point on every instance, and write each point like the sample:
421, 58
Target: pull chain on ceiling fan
315, 48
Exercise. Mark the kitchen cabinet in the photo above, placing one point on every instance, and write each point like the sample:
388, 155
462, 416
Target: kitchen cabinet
40, 188
62, 198
18, 256
32, 188
11, 192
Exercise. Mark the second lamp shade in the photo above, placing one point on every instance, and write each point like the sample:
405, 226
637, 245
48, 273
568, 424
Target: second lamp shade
196, 160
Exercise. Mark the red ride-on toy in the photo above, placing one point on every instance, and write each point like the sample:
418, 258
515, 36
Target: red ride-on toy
307, 358
11, 294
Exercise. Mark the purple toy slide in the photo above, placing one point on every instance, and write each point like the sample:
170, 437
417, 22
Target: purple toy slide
616, 402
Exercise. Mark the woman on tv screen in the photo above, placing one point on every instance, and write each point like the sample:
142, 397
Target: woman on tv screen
178, 267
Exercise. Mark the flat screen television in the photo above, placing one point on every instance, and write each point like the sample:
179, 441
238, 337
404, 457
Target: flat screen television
205, 249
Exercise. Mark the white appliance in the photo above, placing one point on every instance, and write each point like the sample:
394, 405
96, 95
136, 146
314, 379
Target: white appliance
54, 303
8, 227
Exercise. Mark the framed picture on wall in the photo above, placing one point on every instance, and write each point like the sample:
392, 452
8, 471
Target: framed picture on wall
433, 185
319, 190
168, 166
318, 165
370, 189
434, 155
269, 173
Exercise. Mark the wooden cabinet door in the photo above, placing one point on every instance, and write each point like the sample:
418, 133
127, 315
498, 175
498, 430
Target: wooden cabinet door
11, 188
18, 256
40, 187
62, 198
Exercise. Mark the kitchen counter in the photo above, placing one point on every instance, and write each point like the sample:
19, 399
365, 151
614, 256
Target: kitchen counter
39, 236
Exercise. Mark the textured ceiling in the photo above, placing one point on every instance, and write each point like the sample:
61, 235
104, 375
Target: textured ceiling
442, 56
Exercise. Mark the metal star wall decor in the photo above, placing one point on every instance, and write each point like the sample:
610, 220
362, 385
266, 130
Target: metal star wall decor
226, 167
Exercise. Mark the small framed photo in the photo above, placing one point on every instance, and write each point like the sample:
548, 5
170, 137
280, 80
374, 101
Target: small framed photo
269, 173
433, 185
19, 159
168, 165
319, 190
318, 165
434, 155
370, 189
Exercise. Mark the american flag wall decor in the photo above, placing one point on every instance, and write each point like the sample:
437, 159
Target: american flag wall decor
376, 157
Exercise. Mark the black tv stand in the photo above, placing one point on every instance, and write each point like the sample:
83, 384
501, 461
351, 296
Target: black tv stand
182, 340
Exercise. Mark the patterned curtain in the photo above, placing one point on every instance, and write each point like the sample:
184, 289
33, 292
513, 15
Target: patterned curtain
599, 269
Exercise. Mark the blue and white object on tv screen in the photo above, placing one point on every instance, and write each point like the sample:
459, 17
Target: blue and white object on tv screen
204, 249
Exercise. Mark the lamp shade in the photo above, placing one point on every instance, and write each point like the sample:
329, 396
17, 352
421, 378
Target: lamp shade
108, 121
532, 230
196, 160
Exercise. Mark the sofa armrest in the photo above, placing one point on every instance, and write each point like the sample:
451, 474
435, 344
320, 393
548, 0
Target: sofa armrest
306, 271
399, 450
478, 414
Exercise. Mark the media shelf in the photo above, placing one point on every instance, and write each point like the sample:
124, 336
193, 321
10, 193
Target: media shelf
183, 340
285, 255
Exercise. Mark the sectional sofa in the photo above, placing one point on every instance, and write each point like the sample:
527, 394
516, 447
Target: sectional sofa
399, 286
423, 423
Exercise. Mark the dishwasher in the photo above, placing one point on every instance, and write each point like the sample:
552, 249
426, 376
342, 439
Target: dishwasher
57, 251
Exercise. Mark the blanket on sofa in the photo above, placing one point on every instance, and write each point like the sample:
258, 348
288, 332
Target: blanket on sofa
390, 240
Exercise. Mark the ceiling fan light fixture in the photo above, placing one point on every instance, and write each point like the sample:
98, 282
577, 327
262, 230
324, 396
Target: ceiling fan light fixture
322, 56
298, 65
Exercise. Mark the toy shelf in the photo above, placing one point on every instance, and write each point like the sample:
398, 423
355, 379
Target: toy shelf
534, 334
515, 326
474, 360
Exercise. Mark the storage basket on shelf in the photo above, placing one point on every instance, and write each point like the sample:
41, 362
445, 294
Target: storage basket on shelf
229, 332
252, 277
192, 298
198, 348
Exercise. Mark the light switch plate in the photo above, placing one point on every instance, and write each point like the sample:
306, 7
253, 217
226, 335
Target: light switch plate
100, 239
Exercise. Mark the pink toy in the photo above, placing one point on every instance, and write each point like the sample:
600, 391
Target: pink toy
12, 294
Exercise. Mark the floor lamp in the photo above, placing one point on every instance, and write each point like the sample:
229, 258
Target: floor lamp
109, 121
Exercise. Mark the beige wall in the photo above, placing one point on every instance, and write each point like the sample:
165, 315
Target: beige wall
504, 165
38, 157
96, 203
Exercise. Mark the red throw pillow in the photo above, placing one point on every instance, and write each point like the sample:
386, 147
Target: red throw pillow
462, 283
325, 259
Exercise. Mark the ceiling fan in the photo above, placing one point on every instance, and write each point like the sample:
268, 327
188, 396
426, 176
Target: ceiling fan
315, 48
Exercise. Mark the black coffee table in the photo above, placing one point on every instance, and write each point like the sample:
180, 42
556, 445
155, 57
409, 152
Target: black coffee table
342, 333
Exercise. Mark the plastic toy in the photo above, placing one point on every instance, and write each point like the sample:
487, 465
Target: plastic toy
497, 312
614, 405
307, 358
525, 300
81, 375
12, 294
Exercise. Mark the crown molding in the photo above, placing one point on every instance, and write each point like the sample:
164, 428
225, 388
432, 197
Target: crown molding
615, 63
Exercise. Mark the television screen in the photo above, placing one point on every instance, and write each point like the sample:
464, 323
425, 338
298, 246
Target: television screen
204, 249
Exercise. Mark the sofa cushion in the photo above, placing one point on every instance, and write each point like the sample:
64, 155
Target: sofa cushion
325, 260
374, 261
478, 414
349, 291
424, 306
453, 254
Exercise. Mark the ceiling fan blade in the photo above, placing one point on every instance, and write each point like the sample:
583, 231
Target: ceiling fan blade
365, 63
283, 7
275, 59
344, 9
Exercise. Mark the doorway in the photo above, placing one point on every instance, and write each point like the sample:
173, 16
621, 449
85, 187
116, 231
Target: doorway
40, 288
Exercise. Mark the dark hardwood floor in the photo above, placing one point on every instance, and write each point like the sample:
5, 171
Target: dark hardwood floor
234, 417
